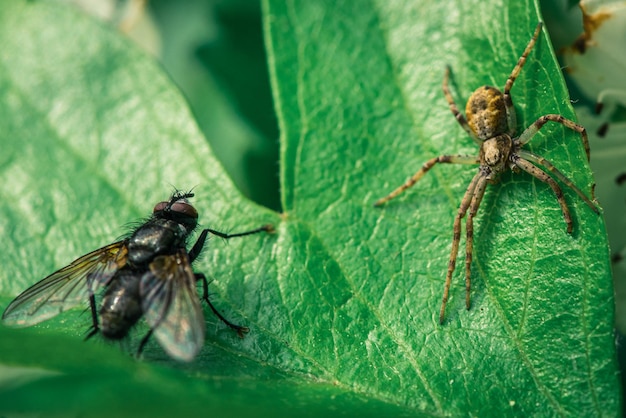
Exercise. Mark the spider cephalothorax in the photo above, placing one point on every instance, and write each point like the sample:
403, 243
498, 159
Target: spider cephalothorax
491, 122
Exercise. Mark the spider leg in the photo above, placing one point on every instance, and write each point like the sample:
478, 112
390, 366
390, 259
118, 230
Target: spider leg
547, 164
541, 175
456, 238
508, 102
454, 108
449, 159
479, 192
527, 135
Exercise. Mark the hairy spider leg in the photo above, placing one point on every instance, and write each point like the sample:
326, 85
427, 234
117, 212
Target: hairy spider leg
530, 132
537, 159
456, 239
479, 192
455, 109
448, 159
511, 117
544, 177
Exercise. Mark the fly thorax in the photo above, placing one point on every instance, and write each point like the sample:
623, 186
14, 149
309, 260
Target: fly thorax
158, 237
486, 112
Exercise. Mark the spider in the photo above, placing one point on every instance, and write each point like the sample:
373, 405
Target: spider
491, 123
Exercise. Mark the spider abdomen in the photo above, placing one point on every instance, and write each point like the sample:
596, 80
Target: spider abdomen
486, 112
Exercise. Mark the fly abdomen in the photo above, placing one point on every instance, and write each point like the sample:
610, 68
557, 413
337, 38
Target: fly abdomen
121, 305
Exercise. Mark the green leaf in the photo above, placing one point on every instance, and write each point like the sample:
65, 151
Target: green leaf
343, 300
358, 91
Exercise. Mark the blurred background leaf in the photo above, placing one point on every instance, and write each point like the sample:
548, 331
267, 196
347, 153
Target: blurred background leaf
214, 51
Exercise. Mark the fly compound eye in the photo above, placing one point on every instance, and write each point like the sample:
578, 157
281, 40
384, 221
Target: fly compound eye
183, 208
161, 206
177, 209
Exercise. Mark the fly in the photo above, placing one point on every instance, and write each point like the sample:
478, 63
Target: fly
148, 274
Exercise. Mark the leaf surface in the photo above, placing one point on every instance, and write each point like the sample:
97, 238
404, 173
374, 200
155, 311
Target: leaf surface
343, 300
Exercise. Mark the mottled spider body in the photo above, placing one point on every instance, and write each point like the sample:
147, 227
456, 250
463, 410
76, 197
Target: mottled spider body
486, 113
491, 122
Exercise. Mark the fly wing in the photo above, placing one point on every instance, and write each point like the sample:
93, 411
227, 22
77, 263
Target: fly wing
66, 287
171, 305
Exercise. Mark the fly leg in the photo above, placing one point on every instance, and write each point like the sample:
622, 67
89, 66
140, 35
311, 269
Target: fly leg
197, 247
95, 328
143, 342
241, 330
